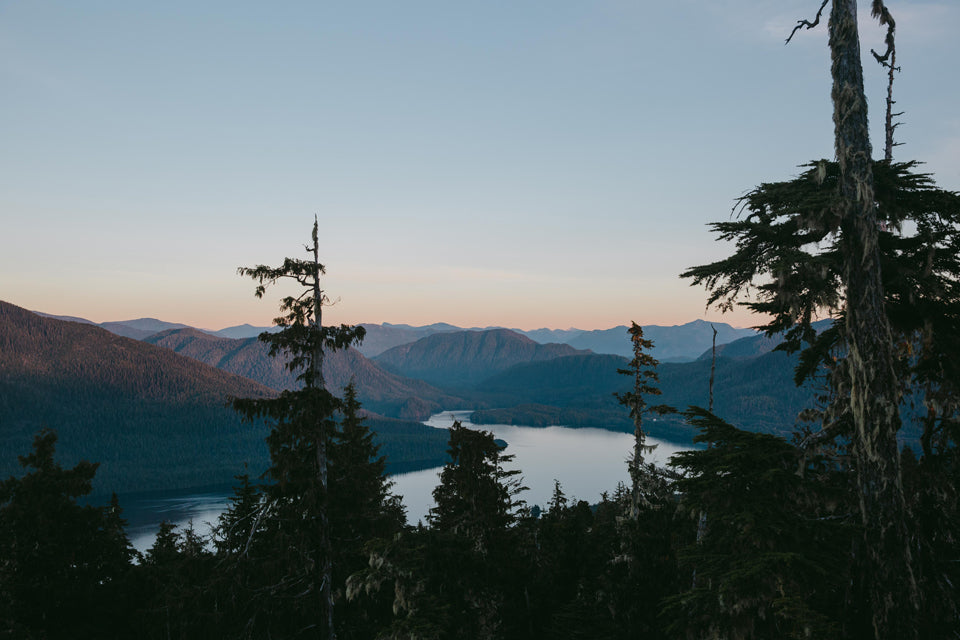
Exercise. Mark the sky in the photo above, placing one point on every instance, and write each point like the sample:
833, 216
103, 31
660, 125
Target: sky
549, 163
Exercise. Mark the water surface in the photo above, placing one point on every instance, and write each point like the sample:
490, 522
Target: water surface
587, 462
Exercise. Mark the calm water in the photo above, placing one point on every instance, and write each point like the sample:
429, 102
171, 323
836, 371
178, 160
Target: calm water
587, 462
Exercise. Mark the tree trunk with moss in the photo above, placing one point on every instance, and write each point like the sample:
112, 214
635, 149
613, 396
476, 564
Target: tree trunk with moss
887, 576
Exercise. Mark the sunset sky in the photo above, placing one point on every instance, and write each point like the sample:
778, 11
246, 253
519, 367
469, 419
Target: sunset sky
525, 164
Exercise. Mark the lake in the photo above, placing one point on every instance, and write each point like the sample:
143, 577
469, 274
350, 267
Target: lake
587, 462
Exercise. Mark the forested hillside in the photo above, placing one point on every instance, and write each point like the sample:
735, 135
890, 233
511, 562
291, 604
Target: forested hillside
460, 359
378, 390
152, 418
758, 394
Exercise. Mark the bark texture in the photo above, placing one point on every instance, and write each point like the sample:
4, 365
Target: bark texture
887, 579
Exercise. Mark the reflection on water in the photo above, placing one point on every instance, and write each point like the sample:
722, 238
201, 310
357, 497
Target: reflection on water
144, 513
587, 462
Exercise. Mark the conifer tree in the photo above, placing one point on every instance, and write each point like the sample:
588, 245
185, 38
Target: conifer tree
300, 440
834, 239
770, 562
62, 564
642, 369
475, 497
362, 510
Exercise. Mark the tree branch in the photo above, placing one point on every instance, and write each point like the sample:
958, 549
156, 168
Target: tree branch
806, 23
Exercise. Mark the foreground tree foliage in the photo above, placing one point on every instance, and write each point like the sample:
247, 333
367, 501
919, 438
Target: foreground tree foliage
876, 246
64, 567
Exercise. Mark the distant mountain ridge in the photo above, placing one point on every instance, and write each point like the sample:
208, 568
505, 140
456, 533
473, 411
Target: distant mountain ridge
463, 358
677, 343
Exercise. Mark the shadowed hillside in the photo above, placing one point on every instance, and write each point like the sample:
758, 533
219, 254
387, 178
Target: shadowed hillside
378, 390
153, 419
756, 394
463, 358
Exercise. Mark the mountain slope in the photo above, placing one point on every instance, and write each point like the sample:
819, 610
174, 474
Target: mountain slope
755, 394
381, 337
378, 390
153, 418
459, 359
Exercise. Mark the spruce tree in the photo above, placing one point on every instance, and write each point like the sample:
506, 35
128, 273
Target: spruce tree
63, 566
362, 510
299, 444
642, 368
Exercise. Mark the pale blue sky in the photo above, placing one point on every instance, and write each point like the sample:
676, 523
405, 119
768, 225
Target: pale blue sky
524, 164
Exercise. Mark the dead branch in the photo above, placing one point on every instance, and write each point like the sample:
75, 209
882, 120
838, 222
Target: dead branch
806, 23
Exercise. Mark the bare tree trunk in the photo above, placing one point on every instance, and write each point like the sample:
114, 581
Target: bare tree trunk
713, 366
887, 573
325, 590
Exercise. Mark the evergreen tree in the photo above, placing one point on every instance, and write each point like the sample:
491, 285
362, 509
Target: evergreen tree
461, 577
299, 444
642, 368
771, 562
63, 566
835, 239
362, 510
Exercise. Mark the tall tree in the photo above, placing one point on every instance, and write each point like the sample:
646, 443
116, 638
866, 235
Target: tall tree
305, 423
642, 368
770, 563
874, 387
867, 381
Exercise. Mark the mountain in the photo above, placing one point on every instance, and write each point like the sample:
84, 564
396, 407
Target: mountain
676, 343
242, 331
756, 394
459, 359
544, 335
153, 419
141, 328
150, 417
381, 337
755, 345
378, 390
136, 329
64, 318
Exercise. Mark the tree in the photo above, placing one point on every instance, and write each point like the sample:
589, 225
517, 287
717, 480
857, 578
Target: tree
62, 565
643, 370
300, 439
770, 562
362, 510
459, 578
870, 368
855, 206
475, 497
